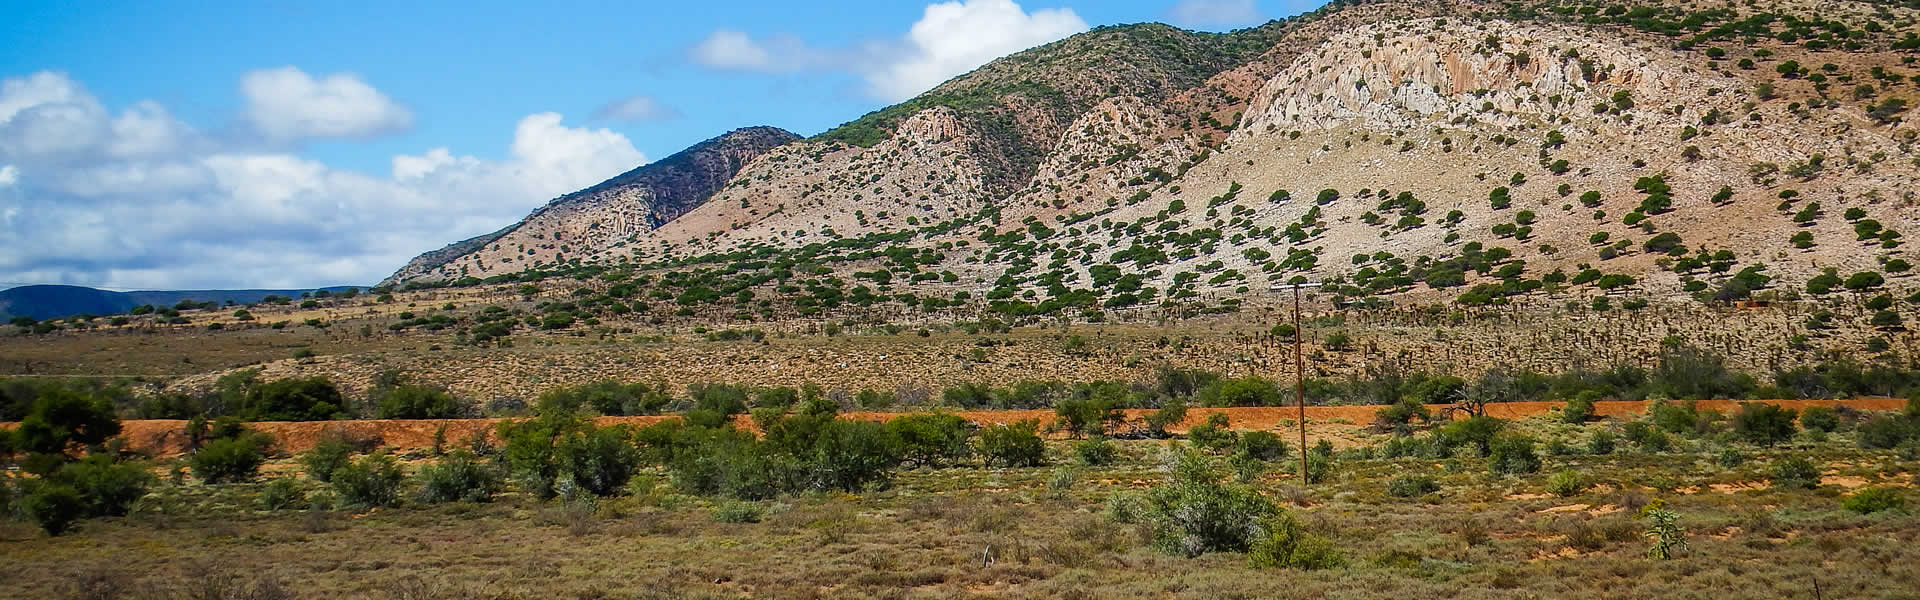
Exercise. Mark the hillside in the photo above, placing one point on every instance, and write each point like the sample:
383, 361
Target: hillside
1451, 151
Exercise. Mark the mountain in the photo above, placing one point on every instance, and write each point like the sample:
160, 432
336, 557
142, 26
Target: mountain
55, 301
1453, 150
636, 201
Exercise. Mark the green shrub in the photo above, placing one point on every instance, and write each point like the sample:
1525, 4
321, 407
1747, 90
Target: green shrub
332, 452
1795, 472
1401, 413
1013, 445
282, 493
1170, 413
1409, 486
107, 488
1513, 454
737, 511
1601, 443
1476, 431
459, 477
374, 480
1875, 499
1822, 418
852, 455
1580, 408
1730, 458
1763, 423
1283, 543
230, 459
294, 399
1094, 451
54, 507
931, 440
1213, 434
1262, 445
1566, 482
1885, 432
1319, 466
416, 402
599, 461
1196, 512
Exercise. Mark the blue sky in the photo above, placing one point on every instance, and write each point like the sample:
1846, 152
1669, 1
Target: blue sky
254, 144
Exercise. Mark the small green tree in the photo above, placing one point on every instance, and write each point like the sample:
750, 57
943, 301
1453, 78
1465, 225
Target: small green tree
374, 480
459, 477
230, 459
1765, 424
1013, 445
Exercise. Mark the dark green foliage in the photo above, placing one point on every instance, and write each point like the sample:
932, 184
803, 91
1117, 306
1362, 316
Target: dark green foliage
1765, 424
374, 480
1213, 434
1601, 443
328, 455
1476, 431
848, 456
1875, 499
1512, 455
1402, 413
107, 488
532, 452
1283, 543
231, 459
932, 440
62, 420
1197, 512
281, 494
1012, 445
599, 461
415, 402
294, 399
1795, 472
1822, 418
1172, 412
1410, 486
1095, 451
1262, 445
612, 398
55, 507
459, 477
1244, 391
1885, 432
1580, 408
1092, 408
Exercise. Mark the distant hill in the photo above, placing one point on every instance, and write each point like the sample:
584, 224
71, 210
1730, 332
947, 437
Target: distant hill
54, 301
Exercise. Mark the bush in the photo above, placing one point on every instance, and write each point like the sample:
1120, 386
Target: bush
1885, 432
1013, 445
282, 493
1875, 499
1763, 423
327, 456
1795, 473
1196, 512
598, 460
1094, 452
1409, 486
1478, 431
1580, 408
1566, 483
1170, 413
1283, 543
1213, 434
294, 399
1402, 413
1730, 458
374, 480
1820, 418
1262, 445
459, 477
1513, 454
930, 440
107, 488
850, 455
416, 402
54, 507
230, 459
1601, 443
737, 511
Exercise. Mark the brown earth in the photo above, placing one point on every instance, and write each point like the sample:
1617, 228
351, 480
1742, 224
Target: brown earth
1337, 424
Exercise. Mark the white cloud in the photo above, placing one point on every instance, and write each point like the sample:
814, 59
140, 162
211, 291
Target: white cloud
636, 108
287, 103
1215, 12
151, 203
950, 38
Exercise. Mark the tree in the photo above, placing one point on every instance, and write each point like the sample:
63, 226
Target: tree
1013, 445
294, 399
930, 440
1765, 424
416, 402
63, 420
230, 459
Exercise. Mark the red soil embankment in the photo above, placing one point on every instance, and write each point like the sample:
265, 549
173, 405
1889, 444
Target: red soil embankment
166, 437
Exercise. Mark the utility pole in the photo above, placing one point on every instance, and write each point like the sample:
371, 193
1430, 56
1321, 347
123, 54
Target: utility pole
1299, 370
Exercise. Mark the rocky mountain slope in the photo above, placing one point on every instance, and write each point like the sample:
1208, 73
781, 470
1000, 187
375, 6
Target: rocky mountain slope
1459, 150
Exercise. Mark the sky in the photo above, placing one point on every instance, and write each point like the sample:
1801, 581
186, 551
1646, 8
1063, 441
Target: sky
278, 144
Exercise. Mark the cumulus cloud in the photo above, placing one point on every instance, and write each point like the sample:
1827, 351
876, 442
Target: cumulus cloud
950, 38
287, 103
1215, 12
636, 108
148, 202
